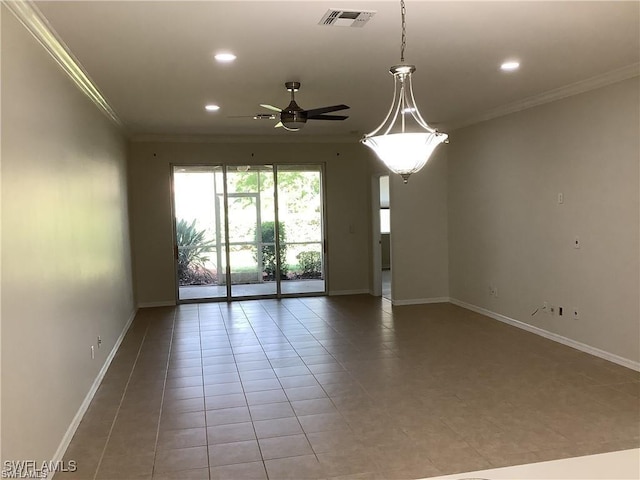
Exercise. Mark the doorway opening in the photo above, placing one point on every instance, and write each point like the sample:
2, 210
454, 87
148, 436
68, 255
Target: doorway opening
385, 237
381, 236
249, 231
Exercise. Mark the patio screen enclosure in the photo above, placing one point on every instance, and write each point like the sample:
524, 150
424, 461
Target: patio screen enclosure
248, 231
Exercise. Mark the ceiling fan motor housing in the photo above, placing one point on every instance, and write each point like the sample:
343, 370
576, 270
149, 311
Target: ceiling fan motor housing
293, 117
292, 86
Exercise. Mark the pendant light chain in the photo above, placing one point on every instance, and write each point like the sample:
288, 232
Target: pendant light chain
403, 12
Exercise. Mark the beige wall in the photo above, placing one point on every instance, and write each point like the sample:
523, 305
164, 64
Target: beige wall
419, 233
348, 207
65, 246
507, 229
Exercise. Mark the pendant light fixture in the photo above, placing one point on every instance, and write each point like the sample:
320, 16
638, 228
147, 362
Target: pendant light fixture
404, 141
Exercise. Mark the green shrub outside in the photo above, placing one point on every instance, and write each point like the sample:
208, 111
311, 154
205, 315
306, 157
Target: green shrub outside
192, 254
310, 264
269, 251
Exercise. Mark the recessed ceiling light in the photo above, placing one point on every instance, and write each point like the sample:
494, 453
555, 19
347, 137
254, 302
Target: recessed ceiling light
510, 66
225, 57
212, 108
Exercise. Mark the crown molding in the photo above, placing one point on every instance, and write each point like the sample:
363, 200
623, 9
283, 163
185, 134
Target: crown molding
582, 86
34, 21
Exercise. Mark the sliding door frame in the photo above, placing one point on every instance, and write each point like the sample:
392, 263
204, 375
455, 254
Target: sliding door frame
225, 241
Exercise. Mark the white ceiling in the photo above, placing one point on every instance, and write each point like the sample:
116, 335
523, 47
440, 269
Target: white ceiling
153, 62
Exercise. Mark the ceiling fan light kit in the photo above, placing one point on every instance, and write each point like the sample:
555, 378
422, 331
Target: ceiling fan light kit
404, 141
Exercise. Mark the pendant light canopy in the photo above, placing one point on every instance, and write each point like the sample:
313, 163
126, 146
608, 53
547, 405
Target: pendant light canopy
404, 141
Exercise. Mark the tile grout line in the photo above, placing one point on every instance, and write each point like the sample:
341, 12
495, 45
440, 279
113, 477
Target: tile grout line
345, 317
124, 392
278, 378
224, 322
204, 398
301, 322
264, 464
339, 363
281, 386
325, 392
164, 387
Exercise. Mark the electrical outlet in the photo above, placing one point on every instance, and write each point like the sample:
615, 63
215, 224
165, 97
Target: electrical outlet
576, 314
93, 352
99, 341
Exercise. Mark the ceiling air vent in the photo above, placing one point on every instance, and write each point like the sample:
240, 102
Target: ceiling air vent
346, 18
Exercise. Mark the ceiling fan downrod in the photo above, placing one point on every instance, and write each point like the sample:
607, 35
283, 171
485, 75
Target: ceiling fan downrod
293, 117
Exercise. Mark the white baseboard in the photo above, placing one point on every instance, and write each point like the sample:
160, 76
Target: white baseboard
348, 292
420, 301
66, 440
625, 362
167, 303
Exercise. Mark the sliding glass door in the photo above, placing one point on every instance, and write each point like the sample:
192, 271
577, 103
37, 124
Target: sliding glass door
200, 244
248, 231
250, 201
300, 207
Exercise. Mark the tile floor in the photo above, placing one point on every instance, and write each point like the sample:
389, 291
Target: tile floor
344, 387
386, 284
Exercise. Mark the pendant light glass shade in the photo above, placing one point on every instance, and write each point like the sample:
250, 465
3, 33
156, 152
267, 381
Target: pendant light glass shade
404, 141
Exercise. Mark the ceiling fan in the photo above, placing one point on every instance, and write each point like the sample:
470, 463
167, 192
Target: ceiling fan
293, 118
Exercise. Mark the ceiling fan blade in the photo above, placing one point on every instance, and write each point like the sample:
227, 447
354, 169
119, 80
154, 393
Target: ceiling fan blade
319, 111
328, 117
279, 124
256, 116
270, 107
